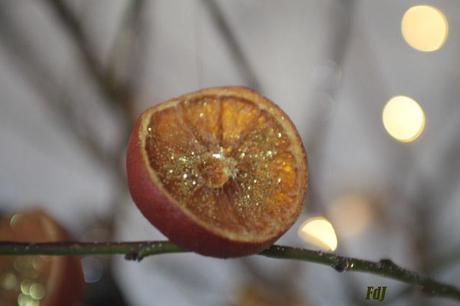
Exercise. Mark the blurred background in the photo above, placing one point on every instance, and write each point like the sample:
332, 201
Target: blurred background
372, 87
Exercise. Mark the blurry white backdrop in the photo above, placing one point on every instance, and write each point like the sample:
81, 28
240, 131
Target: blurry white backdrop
331, 65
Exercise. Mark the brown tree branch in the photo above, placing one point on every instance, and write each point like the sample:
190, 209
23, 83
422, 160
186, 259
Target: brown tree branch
141, 249
55, 98
228, 35
111, 90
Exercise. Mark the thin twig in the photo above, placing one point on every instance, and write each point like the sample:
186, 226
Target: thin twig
443, 263
128, 52
126, 63
141, 249
53, 96
135, 250
234, 45
110, 90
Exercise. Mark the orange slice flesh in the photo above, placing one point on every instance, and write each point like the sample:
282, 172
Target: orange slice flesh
233, 162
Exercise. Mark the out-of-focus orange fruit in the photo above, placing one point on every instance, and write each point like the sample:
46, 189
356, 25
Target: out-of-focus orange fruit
221, 171
37, 280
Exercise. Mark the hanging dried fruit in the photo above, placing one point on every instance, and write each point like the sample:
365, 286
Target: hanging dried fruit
221, 171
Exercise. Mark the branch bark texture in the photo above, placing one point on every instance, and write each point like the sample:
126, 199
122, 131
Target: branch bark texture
140, 249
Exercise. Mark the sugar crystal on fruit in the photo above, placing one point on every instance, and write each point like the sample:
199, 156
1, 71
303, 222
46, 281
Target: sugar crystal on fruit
217, 155
222, 171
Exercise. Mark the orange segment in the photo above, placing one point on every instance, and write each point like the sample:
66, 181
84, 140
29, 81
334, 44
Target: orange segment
203, 118
238, 117
203, 202
173, 148
234, 163
170, 131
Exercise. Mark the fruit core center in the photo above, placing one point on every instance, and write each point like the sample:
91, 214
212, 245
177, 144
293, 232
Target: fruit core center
217, 169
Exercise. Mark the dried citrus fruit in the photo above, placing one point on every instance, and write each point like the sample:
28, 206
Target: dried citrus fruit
37, 280
221, 171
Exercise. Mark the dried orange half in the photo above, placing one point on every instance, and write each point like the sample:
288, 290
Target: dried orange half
221, 171
37, 280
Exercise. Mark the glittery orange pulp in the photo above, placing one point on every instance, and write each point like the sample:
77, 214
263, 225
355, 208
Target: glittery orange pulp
227, 161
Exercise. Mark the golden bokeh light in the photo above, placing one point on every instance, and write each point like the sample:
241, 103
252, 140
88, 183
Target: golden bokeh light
352, 214
318, 231
424, 28
8, 281
403, 118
